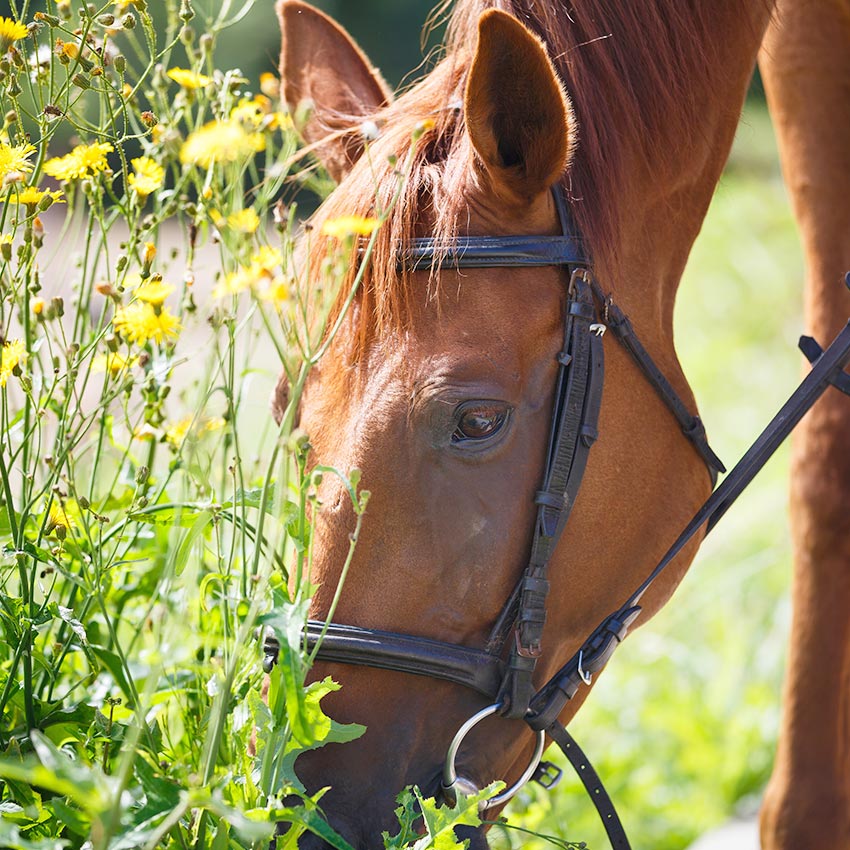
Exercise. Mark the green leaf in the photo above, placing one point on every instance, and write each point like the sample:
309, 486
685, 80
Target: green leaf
72, 818
113, 664
170, 516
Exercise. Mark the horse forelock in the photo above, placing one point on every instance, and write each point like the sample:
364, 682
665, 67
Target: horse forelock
638, 76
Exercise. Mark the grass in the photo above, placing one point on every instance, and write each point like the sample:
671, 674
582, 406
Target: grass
682, 727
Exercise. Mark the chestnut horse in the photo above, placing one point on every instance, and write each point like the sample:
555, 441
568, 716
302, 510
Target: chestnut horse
439, 386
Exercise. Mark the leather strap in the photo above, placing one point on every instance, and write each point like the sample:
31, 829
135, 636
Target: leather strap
691, 425
592, 784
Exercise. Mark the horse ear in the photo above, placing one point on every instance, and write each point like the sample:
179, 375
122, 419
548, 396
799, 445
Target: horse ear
519, 118
320, 63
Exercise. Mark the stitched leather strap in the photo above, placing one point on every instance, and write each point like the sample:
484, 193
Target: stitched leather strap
592, 784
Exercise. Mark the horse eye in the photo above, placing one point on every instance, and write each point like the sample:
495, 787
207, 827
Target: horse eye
477, 421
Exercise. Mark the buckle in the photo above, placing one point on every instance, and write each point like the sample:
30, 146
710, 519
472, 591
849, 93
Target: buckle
547, 775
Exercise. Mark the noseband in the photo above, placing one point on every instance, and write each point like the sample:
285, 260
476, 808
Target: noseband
502, 671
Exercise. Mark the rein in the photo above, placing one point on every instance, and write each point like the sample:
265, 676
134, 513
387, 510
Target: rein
502, 671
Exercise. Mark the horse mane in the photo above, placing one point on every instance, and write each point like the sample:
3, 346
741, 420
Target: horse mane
638, 75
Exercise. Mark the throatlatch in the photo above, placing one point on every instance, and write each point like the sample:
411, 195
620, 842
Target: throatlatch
502, 671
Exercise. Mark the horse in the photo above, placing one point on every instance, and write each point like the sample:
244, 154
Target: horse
439, 383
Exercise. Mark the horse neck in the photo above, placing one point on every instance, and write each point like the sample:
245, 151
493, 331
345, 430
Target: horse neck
667, 175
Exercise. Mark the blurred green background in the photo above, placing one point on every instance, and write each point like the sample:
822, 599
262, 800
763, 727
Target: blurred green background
682, 727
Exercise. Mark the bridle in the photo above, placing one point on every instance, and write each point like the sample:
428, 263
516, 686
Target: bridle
502, 671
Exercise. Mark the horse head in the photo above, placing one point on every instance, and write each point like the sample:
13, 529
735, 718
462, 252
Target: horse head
439, 387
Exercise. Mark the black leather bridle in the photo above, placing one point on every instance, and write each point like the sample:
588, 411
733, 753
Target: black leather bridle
502, 671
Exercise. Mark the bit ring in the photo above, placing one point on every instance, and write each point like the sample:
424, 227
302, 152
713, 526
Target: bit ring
452, 783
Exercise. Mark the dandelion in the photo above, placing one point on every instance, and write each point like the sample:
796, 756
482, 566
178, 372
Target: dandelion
148, 177
62, 517
140, 322
251, 113
188, 79
38, 306
236, 282
350, 225
277, 293
153, 291
83, 161
114, 363
191, 427
245, 221
220, 142
14, 354
10, 32
32, 196
14, 159
267, 258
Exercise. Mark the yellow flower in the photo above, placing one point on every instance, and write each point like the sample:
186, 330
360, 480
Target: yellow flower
141, 323
153, 291
10, 32
38, 305
278, 292
32, 196
114, 363
81, 162
149, 176
267, 258
62, 517
149, 254
236, 282
220, 141
350, 225
251, 113
270, 85
14, 353
190, 427
188, 79
14, 159
244, 221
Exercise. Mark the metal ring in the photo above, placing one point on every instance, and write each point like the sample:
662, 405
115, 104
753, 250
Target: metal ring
450, 777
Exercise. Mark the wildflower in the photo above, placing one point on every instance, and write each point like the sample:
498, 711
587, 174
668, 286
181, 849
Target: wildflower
278, 292
10, 32
140, 322
62, 517
236, 282
32, 196
14, 354
250, 113
350, 225
114, 363
269, 85
6, 247
15, 159
177, 432
219, 142
153, 291
244, 221
148, 177
267, 258
190, 80
149, 254
38, 306
83, 161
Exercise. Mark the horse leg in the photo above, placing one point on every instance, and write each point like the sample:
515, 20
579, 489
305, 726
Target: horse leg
805, 62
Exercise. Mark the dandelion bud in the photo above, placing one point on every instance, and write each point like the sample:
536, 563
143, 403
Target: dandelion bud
186, 11
26, 383
50, 20
147, 258
17, 59
120, 63
63, 7
106, 20
106, 289
149, 119
5, 67
57, 304
6, 249
14, 88
121, 264
112, 343
10, 118
187, 36
206, 43
142, 474
38, 306
45, 203
60, 531
84, 503
80, 81
128, 22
